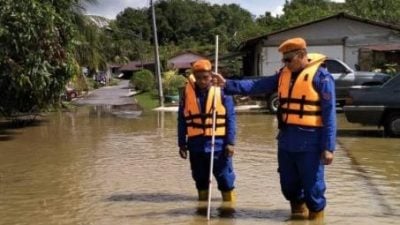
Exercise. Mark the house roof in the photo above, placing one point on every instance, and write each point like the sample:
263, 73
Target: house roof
186, 52
184, 60
383, 47
114, 65
253, 41
135, 65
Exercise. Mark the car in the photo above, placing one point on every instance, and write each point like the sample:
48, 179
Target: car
69, 94
376, 105
344, 77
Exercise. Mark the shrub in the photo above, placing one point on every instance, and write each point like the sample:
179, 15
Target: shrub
172, 82
143, 80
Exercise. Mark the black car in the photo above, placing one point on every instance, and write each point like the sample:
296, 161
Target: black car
376, 105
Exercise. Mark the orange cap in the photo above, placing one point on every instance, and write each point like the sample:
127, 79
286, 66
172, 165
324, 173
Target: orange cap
201, 65
292, 45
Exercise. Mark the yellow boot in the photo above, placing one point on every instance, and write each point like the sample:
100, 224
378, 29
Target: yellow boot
203, 195
228, 196
201, 208
299, 210
316, 216
227, 208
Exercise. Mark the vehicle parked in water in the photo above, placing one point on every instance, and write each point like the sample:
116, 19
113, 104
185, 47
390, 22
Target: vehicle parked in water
344, 76
376, 105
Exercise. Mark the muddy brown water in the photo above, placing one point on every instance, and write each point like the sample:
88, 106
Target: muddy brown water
90, 166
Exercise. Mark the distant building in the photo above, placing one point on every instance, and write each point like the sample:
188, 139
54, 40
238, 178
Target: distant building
183, 61
133, 66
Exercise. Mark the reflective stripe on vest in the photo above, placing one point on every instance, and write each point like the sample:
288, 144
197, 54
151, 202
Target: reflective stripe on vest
301, 105
199, 123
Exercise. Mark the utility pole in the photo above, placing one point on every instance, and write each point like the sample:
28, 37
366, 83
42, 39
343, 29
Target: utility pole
157, 57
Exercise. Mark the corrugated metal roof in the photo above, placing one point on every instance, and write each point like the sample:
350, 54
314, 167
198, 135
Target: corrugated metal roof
383, 47
134, 65
184, 60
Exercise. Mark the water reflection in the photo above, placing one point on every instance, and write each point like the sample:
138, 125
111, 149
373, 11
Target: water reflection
129, 111
88, 166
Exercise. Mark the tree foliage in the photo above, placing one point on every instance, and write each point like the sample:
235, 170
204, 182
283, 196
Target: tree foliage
35, 63
143, 80
296, 12
172, 82
379, 10
185, 24
88, 44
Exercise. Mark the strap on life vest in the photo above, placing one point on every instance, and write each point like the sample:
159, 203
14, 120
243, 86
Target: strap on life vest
200, 123
300, 102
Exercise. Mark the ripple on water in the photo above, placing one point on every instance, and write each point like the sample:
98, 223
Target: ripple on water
80, 168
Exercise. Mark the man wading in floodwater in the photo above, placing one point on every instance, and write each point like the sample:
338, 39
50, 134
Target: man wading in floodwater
307, 124
195, 131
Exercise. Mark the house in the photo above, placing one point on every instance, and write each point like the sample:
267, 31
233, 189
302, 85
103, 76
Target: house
183, 61
341, 36
133, 66
114, 67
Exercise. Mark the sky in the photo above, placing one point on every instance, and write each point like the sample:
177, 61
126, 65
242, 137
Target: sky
110, 8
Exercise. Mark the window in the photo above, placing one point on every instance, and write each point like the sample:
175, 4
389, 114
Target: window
335, 67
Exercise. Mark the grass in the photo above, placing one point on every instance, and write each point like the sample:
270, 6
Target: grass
147, 100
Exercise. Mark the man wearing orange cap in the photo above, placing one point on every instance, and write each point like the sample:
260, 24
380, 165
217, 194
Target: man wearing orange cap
195, 120
307, 124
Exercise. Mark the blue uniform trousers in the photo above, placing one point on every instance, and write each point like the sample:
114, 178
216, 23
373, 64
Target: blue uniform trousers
222, 170
302, 178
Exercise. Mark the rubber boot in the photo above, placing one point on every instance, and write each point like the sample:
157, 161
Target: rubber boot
299, 210
316, 216
203, 195
228, 196
201, 208
227, 208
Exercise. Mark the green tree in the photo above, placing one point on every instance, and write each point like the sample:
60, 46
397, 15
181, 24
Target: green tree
298, 12
128, 37
380, 10
35, 59
87, 48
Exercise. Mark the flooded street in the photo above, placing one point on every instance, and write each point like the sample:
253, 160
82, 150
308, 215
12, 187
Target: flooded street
90, 166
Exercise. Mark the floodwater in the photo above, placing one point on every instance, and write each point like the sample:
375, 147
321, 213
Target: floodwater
90, 166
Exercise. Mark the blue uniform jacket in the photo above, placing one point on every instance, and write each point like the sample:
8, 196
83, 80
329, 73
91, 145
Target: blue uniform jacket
203, 143
295, 138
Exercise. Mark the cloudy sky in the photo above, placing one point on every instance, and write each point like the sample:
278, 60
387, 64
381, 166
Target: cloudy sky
110, 8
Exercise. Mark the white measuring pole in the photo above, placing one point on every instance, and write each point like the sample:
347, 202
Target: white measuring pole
214, 115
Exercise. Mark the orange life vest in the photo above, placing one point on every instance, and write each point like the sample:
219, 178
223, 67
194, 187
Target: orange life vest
300, 104
199, 123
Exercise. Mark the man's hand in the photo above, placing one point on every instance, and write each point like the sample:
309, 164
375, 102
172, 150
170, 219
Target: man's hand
229, 150
327, 157
183, 152
218, 80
